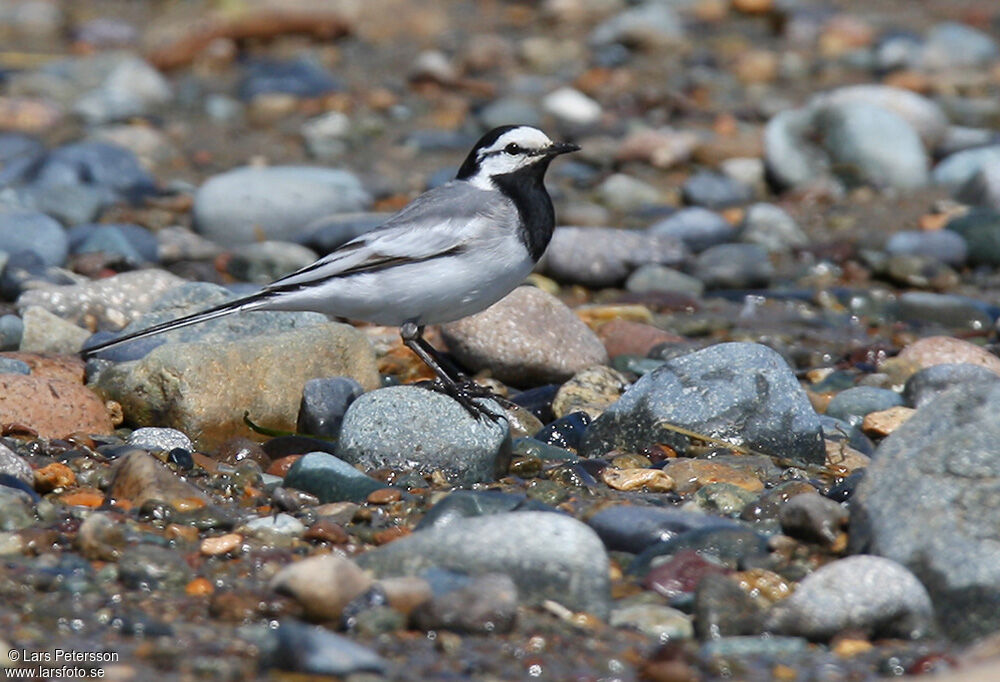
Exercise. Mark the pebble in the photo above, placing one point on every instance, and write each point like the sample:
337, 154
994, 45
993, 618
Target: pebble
11, 331
510, 111
792, 158
43, 332
326, 135
951, 44
774, 412
111, 172
264, 262
627, 528
692, 474
923, 114
698, 228
771, 227
14, 366
128, 244
723, 609
300, 77
729, 546
132, 88
16, 511
853, 404
812, 517
140, 478
30, 231
527, 338
572, 107
913, 505
314, 650
625, 193
461, 504
661, 623
723, 499
322, 584
944, 245
927, 384
648, 25
734, 266
980, 229
626, 337
590, 391
487, 605
956, 169
53, 408
410, 428
159, 440
867, 593
565, 432
983, 188
947, 310
15, 466
330, 479
324, 403
600, 257
548, 556
713, 190
652, 480
882, 423
101, 537
942, 350
221, 544
275, 529
654, 278
278, 203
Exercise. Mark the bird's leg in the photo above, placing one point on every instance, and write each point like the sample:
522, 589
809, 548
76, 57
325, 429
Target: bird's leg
462, 390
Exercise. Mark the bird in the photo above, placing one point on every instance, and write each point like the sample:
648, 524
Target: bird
451, 252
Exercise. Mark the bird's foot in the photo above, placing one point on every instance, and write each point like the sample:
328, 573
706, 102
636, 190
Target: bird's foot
467, 393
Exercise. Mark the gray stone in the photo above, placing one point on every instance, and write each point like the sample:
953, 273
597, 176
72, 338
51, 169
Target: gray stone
983, 188
723, 609
264, 262
324, 403
770, 226
509, 111
734, 266
487, 605
868, 593
742, 393
461, 504
930, 501
945, 245
414, 429
570, 106
812, 517
791, 155
659, 622
11, 331
16, 509
548, 556
853, 404
322, 584
330, 479
631, 528
527, 338
955, 170
650, 24
930, 382
660, 278
132, 88
314, 650
176, 243
12, 464
159, 439
14, 366
924, 115
29, 231
46, 333
601, 257
625, 193
273, 528
326, 135
241, 205
951, 44
699, 228
980, 228
713, 190
948, 310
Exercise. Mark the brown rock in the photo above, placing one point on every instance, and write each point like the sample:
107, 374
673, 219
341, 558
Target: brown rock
405, 593
653, 480
323, 584
622, 337
52, 407
140, 477
52, 476
941, 350
691, 474
884, 422
590, 391
222, 544
841, 456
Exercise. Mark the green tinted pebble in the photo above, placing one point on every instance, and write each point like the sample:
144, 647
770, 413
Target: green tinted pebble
725, 499
631, 460
549, 492
533, 448
636, 364
526, 467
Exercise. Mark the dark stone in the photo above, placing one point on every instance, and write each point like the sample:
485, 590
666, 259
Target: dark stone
324, 403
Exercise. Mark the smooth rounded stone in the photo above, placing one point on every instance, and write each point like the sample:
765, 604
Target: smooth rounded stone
853, 404
792, 157
322, 584
723, 498
945, 245
591, 391
101, 537
947, 310
927, 384
410, 428
956, 169
770, 226
11, 331
18, 156
869, 593
532, 448
723, 609
12, 464
713, 190
983, 188
279, 202
626, 194
314, 650
601, 257
923, 114
324, 403
115, 173
812, 517
730, 546
52, 407
548, 556
159, 440
698, 228
649, 25
871, 144
839, 431
206, 388
570, 106
768, 505
264, 262
769, 646
951, 44
653, 278
565, 432
130, 240
132, 88
980, 228
273, 528
176, 243
627, 528
743, 393
487, 605
509, 111
46, 333
330, 232
150, 567
16, 509
529, 337
637, 339
112, 242
139, 478
326, 135
113, 301
14, 366
659, 622
36, 232
461, 504
301, 77
734, 266
691, 474
946, 350
330, 479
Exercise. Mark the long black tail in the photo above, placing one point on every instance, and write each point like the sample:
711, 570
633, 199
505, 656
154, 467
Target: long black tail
245, 303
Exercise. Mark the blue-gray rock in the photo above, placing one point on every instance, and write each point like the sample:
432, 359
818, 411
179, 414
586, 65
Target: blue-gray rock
956, 169
980, 228
813, 518
873, 145
19, 154
631, 528
462, 504
114, 171
330, 479
16, 509
723, 609
264, 262
314, 650
732, 546
734, 266
324, 404
36, 232
923, 114
930, 382
602, 257
951, 311
159, 439
141, 244
929, 500
12, 464
647, 25
415, 429
698, 228
951, 44
768, 647
280, 202
625, 193
946, 246
791, 156
770, 226
326, 135
548, 556
48, 333
132, 88
509, 111
26, 270
713, 190
14, 366
867, 593
743, 393
272, 528
69, 204
327, 234
487, 605
660, 623
301, 77
838, 430
659, 278
853, 404
983, 188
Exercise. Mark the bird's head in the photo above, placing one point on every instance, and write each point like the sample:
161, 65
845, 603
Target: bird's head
510, 150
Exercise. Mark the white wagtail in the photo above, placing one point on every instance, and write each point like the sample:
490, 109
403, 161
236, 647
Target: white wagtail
453, 251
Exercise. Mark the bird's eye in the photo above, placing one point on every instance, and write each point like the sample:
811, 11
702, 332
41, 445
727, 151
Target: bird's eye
512, 149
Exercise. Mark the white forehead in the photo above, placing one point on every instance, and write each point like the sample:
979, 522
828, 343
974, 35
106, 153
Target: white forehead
523, 136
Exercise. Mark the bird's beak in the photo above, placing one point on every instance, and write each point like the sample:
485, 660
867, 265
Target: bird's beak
557, 148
